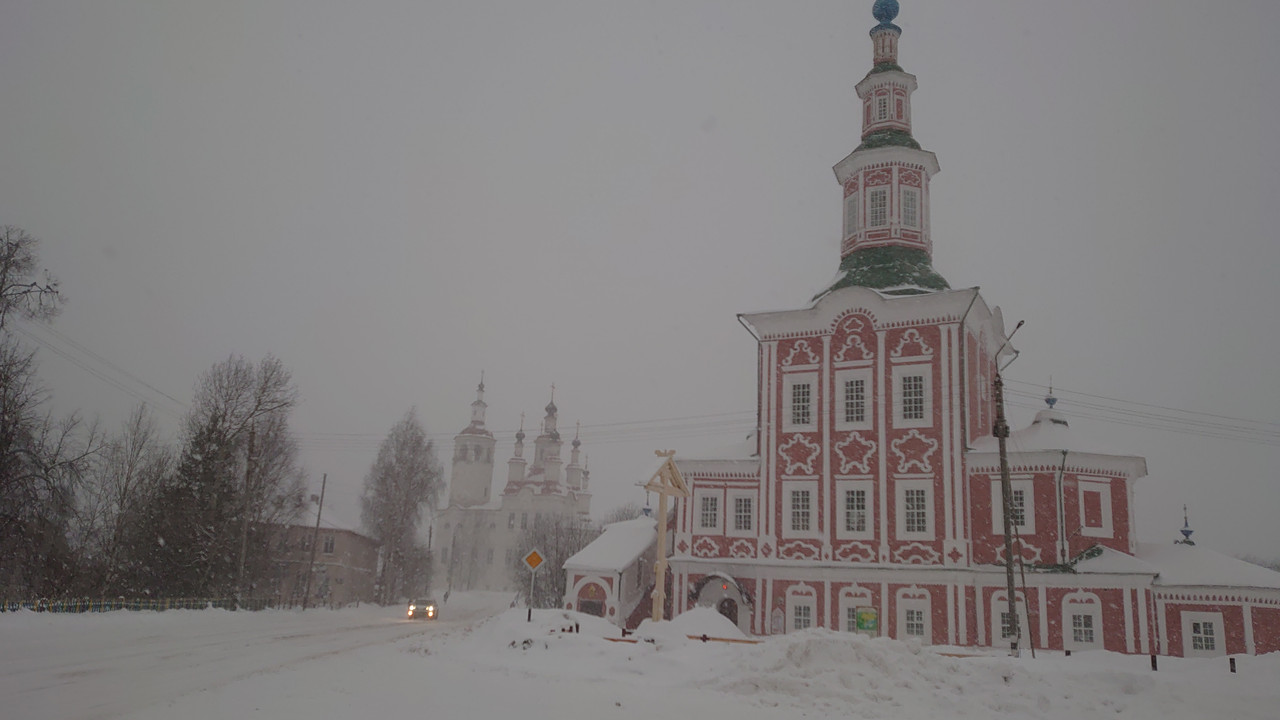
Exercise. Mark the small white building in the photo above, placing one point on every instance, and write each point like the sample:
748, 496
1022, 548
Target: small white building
612, 577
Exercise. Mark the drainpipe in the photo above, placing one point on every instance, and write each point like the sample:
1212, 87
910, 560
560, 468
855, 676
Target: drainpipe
1062, 513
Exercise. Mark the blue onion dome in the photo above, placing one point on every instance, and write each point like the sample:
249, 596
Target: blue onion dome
885, 11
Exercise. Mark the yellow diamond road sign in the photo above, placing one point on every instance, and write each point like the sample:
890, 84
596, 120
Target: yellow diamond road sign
533, 559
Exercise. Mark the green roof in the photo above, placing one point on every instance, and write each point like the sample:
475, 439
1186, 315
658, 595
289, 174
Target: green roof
886, 67
897, 270
888, 138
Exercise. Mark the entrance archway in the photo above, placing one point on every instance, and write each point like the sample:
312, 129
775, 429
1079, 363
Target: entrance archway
728, 607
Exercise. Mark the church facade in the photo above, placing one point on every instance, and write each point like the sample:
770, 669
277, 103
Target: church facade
476, 535
873, 500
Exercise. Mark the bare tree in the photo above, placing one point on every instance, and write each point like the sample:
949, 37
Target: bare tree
556, 538
404, 478
42, 460
128, 471
22, 291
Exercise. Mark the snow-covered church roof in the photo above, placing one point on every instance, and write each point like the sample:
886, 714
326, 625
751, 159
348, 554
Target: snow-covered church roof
1051, 432
1192, 565
618, 546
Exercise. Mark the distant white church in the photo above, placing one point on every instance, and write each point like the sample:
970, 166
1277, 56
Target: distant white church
476, 534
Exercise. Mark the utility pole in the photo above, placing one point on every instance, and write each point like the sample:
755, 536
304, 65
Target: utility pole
315, 536
244, 515
1001, 432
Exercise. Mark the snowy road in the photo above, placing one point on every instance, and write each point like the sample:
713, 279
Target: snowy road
112, 669
369, 663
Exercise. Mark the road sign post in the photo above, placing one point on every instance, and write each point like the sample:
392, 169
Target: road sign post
532, 561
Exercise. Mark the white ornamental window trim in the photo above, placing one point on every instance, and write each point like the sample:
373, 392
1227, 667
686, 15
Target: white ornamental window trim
900, 515
789, 488
700, 508
910, 202
731, 513
842, 399
1203, 634
801, 596
868, 488
917, 600
878, 207
1075, 633
999, 609
1102, 487
789, 381
851, 598
900, 373
1019, 483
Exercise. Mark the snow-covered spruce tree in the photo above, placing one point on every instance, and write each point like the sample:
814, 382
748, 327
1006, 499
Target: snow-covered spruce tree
556, 538
404, 480
204, 531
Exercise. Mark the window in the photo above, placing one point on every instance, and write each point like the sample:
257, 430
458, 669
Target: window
1018, 508
1082, 629
913, 509
851, 214
488, 557
524, 521
1022, 507
913, 397
710, 514
799, 399
910, 207
743, 513
851, 619
913, 402
1202, 637
1007, 629
511, 520
914, 624
1095, 508
1202, 634
800, 507
854, 506
328, 544
801, 404
855, 400
802, 618
855, 511
914, 615
853, 387
882, 108
879, 208
917, 511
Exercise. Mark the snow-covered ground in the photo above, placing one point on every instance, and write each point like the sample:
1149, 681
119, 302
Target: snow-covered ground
481, 660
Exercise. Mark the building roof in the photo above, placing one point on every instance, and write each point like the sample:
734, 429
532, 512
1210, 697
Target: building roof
1050, 433
1193, 565
1109, 561
618, 546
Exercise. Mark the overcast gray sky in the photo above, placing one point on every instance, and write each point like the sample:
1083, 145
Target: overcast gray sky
393, 196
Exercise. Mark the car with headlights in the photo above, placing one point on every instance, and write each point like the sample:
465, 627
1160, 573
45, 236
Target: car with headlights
423, 609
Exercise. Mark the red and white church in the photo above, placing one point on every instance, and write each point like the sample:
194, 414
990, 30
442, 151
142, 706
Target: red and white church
871, 500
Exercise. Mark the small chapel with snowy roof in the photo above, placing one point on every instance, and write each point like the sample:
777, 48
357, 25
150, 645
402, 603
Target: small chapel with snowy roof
872, 500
